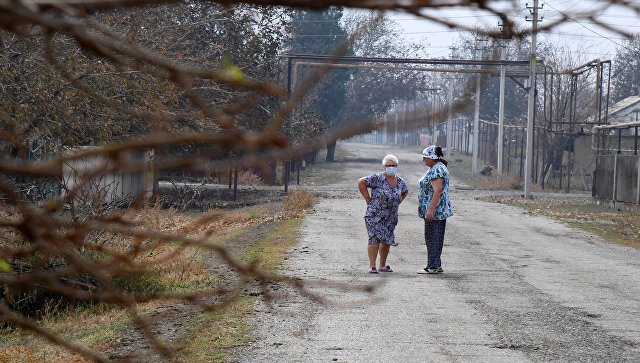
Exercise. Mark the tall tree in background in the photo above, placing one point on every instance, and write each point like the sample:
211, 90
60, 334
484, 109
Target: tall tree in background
626, 75
373, 92
319, 32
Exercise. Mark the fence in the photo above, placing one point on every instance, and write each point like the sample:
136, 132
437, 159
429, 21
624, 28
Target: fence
110, 186
617, 175
82, 175
617, 181
39, 188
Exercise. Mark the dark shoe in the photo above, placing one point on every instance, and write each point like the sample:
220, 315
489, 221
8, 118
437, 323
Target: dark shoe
373, 270
387, 268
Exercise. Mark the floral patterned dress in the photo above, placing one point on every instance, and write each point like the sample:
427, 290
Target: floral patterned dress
381, 217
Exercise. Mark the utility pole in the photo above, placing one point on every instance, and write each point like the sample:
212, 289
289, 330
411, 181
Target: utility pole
503, 56
476, 119
531, 104
450, 118
433, 111
476, 126
501, 112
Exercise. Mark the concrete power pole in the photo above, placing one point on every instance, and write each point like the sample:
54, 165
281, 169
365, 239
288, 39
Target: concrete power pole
476, 117
434, 110
531, 104
450, 120
501, 111
476, 129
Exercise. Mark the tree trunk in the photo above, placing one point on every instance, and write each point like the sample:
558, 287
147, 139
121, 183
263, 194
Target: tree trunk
310, 158
331, 150
545, 171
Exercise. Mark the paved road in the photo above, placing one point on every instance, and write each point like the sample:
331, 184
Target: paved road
516, 287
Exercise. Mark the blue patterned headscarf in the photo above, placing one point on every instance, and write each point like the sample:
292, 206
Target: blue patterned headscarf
430, 153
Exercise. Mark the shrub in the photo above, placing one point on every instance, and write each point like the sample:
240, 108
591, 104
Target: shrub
297, 202
247, 177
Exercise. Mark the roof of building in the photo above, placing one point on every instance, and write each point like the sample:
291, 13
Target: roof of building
622, 105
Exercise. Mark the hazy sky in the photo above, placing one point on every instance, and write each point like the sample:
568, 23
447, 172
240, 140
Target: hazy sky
578, 33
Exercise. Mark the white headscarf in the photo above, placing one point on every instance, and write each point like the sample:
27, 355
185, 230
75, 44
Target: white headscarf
430, 153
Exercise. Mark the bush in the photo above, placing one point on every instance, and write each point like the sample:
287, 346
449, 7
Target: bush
247, 177
297, 202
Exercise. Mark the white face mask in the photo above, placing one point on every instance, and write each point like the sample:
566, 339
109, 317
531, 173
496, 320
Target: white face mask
391, 170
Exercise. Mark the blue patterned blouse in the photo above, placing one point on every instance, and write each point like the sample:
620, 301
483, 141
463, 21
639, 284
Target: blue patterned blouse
444, 208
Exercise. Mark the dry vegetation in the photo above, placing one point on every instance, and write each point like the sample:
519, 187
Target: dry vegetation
176, 270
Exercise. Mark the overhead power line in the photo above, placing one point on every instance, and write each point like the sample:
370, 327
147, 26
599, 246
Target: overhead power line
584, 26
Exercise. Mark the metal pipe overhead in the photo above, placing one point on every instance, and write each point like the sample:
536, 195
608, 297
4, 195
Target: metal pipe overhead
625, 125
422, 69
461, 62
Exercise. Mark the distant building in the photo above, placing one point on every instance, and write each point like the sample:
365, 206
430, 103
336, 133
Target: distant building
624, 111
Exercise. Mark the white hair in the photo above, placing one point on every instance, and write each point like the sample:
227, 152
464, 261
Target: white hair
390, 157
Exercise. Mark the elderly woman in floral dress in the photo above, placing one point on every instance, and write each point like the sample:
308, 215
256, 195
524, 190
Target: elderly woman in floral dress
387, 192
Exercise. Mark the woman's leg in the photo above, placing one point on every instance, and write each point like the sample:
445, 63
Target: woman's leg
372, 249
434, 239
384, 252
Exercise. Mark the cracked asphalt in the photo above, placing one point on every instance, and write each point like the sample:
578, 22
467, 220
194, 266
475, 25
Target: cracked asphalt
516, 288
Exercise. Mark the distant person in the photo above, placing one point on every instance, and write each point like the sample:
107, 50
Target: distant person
434, 206
387, 192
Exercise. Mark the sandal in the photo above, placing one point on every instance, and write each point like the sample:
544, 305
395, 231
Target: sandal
373, 270
387, 268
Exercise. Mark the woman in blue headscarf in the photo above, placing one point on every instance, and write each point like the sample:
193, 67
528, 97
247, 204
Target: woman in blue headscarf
434, 206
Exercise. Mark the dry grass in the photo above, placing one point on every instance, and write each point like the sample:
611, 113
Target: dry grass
177, 269
95, 327
27, 355
212, 334
297, 203
500, 182
270, 251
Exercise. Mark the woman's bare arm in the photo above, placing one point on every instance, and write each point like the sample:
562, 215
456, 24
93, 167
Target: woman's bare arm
437, 193
362, 186
404, 195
